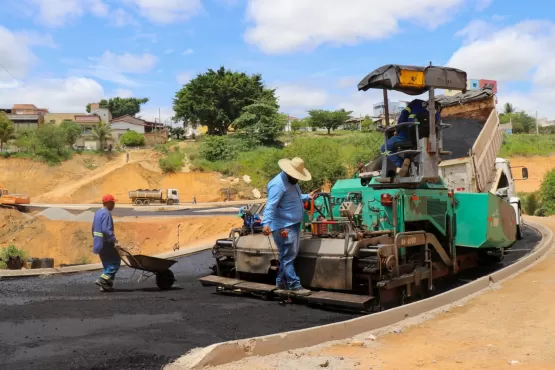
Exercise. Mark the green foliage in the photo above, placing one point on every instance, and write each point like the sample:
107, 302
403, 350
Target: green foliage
215, 99
102, 132
368, 125
7, 130
11, 251
530, 202
177, 132
121, 106
218, 148
330, 120
547, 192
527, 145
261, 122
522, 122
50, 144
508, 108
173, 162
298, 125
71, 131
132, 138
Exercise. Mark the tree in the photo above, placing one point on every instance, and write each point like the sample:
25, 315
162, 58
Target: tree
122, 106
50, 138
368, 124
330, 120
71, 131
132, 138
299, 124
216, 99
261, 121
7, 131
522, 122
102, 132
509, 108
177, 132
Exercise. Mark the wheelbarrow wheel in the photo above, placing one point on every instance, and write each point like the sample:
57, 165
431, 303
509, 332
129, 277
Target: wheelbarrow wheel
165, 280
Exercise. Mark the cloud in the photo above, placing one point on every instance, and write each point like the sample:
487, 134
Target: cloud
128, 63
17, 56
121, 18
58, 95
347, 82
475, 30
483, 4
123, 93
167, 11
169, 51
509, 54
184, 77
56, 13
300, 25
296, 99
188, 52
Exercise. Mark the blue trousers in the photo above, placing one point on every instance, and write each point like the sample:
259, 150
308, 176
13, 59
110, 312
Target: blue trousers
111, 261
288, 249
396, 159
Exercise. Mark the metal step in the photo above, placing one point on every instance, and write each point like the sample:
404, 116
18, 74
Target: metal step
340, 299
213, 280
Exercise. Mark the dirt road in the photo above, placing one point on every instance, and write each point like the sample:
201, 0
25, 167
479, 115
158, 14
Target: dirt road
508, 327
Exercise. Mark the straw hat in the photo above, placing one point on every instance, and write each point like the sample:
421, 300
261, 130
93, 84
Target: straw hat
295, 168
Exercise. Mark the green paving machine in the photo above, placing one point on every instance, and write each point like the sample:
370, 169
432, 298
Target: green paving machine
380, 240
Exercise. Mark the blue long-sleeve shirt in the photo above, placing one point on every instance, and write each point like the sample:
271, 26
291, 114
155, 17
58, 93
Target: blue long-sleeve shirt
102, 230
284, 207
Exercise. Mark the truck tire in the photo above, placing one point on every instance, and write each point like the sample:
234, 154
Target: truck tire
170, 202
138, 202
519, 225
146, 202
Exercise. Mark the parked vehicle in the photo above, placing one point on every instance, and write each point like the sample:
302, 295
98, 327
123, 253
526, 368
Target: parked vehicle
144, 197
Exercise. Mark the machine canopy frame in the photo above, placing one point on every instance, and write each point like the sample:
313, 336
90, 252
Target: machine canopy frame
413, 80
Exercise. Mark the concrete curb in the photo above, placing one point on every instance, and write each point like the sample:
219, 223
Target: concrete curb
227, 352
183, 251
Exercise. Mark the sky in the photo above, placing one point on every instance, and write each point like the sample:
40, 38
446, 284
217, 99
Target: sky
63, 54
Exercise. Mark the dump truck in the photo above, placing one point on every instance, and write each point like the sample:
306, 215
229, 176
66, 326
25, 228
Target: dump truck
17, 201
474, 167
381, 239
144, 197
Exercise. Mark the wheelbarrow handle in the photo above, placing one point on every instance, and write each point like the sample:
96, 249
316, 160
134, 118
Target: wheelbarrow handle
125, 253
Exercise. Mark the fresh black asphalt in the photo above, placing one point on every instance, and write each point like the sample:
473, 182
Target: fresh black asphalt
64, 322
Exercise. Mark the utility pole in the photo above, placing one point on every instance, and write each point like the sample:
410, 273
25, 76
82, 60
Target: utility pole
537, 128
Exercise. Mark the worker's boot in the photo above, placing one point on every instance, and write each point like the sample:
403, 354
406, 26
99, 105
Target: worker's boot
404, 169
105, 284
302, 292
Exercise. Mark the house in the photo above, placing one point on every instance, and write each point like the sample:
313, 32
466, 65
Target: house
26, 116
155, 133
87, 138
103, 113
28, 109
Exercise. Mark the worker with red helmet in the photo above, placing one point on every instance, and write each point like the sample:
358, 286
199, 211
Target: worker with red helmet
105, 243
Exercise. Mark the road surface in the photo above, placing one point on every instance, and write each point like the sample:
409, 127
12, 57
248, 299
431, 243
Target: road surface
64, 322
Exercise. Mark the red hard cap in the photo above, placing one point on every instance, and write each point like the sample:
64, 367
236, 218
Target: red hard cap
108, 198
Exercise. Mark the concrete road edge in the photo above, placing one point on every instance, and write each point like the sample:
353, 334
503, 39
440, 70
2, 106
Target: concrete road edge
231, 351
182, 252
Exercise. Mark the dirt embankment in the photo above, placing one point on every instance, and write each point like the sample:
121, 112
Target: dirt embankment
85, 178
71, 242
537, 168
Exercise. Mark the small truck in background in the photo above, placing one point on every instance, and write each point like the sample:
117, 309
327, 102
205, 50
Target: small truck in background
144, 197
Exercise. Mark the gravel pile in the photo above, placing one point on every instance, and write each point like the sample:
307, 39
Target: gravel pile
57, 214
460, 137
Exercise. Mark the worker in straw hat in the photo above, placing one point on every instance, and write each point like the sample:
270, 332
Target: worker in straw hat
283, 217
105, 243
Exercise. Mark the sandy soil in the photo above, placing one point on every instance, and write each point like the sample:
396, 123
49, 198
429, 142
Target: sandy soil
71, 242
537, 168
85, 178
509, 326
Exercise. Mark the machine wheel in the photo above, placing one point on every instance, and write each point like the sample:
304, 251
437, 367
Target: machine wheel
146, 202
170, 202
165, 280
138, 202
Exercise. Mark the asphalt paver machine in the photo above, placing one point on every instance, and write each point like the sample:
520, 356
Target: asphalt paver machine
381, 240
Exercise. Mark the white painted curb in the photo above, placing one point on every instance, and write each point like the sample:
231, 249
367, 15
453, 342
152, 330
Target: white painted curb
227, 352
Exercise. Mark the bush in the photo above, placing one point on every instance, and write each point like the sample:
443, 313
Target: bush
11, 251
530, 202
132, 138
173, 162
547, 192
219, 148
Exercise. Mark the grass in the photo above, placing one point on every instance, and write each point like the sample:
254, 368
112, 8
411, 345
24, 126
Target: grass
528, 145
173, 161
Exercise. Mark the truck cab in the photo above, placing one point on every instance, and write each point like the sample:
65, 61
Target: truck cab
172, 194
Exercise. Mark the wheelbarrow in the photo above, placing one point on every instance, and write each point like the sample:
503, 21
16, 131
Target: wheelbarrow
150, 266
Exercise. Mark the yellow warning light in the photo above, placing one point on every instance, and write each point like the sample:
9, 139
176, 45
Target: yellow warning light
410, 78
